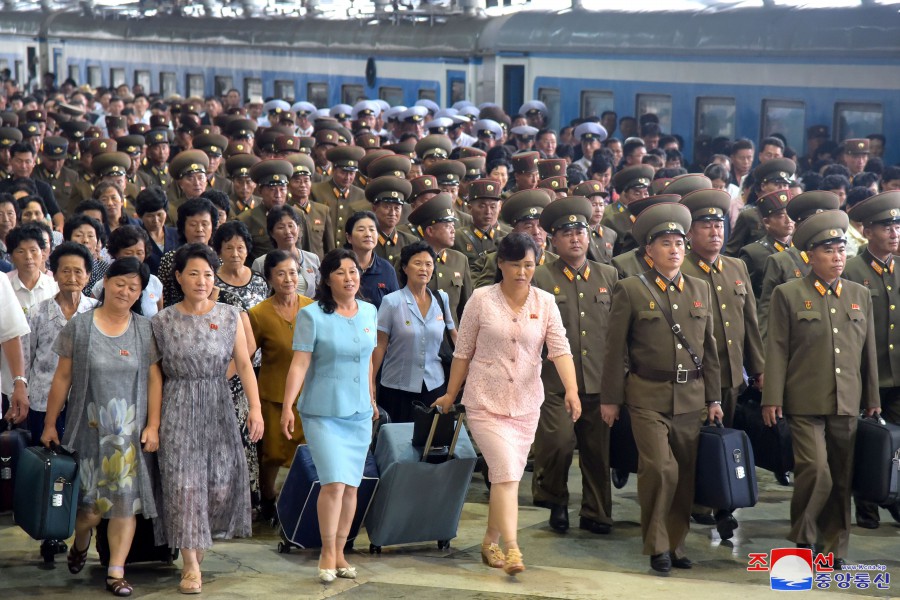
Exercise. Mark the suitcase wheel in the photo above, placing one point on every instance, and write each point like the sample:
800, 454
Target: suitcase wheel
47, 554
284, 548
373, 549
443, 544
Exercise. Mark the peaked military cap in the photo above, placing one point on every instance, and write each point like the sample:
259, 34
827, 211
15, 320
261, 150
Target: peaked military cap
590, 131
821, 228
287, 144
130, 144
804, 205
484, 189
552, 167
589, 188
367, 140
525, 132
633, 177
777, 169
238, 147
341, 112
771, 203
306, 144
856, 146
242, 128
447, 172
488, 128
100, 145
345, 157
532, 107
438, 209
659, 185
525, 162
30, 130
391, 164
685, 184
666, 217
239, 165
435, 145
9, 136
272, 172
469, 151
366, 160
881, 208
527, 204
474, 166
639, 206
211, 143
110, 164
565, 213
439, 125
138, 129
388, 189
303, 163
326, 136
187, 162
554, 184
423, 184
708, 204
9, 119
55, 147
74, 130
159, 122
116, 123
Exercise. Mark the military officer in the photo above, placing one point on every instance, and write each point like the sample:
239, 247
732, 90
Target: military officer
271, 177
338, 191
771, 176
432, 149
325, 140
242, 185
214, 146
156, 163
188, 170
474, 170
672, 379
583, 290
873, 268
315, 219
424, 188
84, 189
362, 176
135, 182
525, 171
481, 237
9, 136
632, 184
636, 261
449, 174
591, 135
434, 221
779, 229
523, 211
602, 238
793, 263
387, 195
828, 329
733, 307
53, 171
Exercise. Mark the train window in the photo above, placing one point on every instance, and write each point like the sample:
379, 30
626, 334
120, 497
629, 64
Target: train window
457, 90
317, 94
714, 118
427, 94
223, 83
787, 117
391, 95
352, 93
74, 73
658, 104
116, 77
253, 89
594, 103
4, 64
94, 76
550, 97
168, 84
195, 85
857, 119
143, 79
284, 89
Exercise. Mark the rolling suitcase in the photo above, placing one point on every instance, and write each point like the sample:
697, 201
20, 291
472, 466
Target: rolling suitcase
13, 442
623, 452
876, 464
46, 495
143, 546
772, 446
419, 500
726, 472
296, 505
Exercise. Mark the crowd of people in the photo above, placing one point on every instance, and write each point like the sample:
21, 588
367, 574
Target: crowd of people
197, 286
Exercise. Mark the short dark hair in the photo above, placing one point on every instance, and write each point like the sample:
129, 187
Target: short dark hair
874, 165
193, 207
229, 230
127, 236
608, 112
25, 200
22, 233
22, 184
10, 199
76, 221
70, 249
92, 204
128, 266
742, 144
864, 179
151, 200
668, 139
407, 252
673, 154
631, 144
717, 171
836, 169
650, 129
600, 163
219, 199
771, 141
195, 250
356, 218
21, 148
514, 246
275, 215
811, 181
272, 259
857, 194
833, 182
669, 172
331, 263
891, 174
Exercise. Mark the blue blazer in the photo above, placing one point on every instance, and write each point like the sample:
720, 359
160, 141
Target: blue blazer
337, 382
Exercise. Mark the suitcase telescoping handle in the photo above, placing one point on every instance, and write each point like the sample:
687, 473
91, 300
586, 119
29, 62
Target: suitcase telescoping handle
457, 410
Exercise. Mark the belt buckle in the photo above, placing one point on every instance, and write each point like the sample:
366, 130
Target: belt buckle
681, 376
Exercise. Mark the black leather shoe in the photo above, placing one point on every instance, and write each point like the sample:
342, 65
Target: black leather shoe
661, 564
594, 526
725, 524
866, 522
682, 563
894, 509
783, 478
559, 518
619, 478
703, 518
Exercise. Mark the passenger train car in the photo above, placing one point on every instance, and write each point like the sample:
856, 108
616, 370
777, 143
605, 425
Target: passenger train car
738, 72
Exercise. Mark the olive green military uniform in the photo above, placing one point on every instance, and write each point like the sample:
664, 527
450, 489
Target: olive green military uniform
633, 262
618, 218
265, 173
156, 175
747, 229
63, 186
821, 368
754, 256
665, 414
602, 241
317, 231
338, 202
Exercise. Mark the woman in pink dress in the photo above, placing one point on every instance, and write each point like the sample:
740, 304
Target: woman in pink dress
498, 354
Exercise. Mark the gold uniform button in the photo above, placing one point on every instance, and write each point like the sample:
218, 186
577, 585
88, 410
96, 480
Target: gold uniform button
440, 274
893, 307
578, 277
837, 350
583, 333
674, 307
829, 292
889, 288
584, 352
892, 326
834, 330
838, 370
833, 311
582, 313
678, 346
723, 307
671, 288
581, 294
718, 288
727, 324
890, 346
729, 342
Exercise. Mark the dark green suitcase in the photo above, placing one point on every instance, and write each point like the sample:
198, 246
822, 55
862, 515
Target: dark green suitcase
46, 492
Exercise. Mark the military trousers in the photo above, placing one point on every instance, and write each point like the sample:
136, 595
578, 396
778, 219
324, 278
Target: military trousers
890, 412
823, 475
554, 445
667, 461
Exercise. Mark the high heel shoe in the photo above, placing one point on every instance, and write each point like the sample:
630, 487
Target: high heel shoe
492, 556
514, 564
327, 575
346, 572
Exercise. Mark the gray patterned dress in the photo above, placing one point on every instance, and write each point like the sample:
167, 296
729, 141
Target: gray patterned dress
206, 490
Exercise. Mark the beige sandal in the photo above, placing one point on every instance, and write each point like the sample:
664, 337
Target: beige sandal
492, 556
191, 578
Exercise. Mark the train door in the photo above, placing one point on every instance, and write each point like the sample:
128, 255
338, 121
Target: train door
513, 88
456, 86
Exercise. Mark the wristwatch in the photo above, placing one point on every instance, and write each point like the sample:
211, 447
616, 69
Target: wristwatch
21, 378
718, 402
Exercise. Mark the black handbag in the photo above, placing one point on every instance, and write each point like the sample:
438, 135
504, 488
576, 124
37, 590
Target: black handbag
423, 421
445, 352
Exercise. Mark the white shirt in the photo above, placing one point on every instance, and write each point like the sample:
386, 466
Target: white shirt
45, 287
464, 140
12, 325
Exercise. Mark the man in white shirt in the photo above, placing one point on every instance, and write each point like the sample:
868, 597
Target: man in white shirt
30, 284
12, 362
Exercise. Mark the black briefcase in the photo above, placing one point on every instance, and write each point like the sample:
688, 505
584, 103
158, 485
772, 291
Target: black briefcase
876, 465
623, 452
726, 472
772, 447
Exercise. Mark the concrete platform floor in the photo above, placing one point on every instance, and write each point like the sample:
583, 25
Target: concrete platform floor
575, 565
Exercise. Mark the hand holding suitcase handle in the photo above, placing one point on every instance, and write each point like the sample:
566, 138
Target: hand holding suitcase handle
50, 437
874, 416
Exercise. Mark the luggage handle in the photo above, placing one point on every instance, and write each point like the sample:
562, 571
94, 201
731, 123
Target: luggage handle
458, 410
876, 417
716, 423
73, 454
